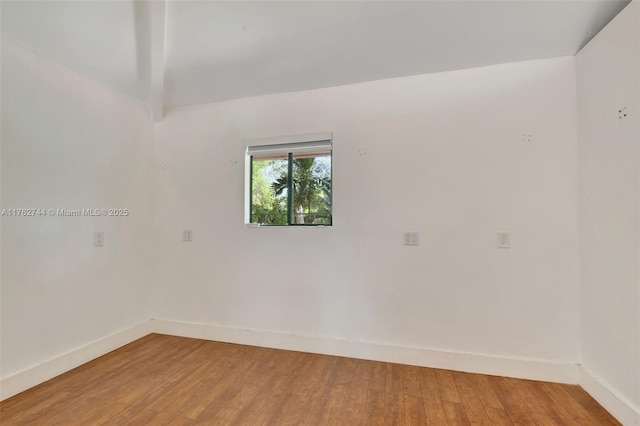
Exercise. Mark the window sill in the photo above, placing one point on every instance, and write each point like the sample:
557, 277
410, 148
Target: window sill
259, 225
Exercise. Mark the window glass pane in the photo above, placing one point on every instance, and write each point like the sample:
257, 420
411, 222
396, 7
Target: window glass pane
312, 189
269, 191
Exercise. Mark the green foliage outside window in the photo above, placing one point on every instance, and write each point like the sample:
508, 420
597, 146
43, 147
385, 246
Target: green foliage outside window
310, 181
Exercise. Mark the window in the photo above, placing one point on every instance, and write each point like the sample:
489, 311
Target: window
290, 182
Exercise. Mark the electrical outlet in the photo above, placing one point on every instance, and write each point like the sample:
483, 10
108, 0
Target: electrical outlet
410, 238
98, 239
187, 235
504, 240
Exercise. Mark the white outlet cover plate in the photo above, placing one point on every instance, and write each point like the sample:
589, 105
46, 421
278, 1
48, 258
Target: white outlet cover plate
503, 239
410, 239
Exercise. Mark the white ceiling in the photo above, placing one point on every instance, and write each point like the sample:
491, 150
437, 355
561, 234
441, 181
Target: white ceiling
214, 50
97, 39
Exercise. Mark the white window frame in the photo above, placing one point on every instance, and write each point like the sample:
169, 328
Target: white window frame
281, 145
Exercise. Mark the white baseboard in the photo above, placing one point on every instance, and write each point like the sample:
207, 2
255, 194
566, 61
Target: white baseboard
53, 367
428, 357
532, 369
558, 372
619, 407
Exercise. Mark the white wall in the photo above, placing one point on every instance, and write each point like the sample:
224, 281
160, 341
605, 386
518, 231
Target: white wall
445, 156
608, 70
70, 143
448, 155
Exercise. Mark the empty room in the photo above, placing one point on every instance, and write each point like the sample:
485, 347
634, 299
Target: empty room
320, 212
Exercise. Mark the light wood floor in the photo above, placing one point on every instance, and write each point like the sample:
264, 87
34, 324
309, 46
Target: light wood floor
166, 380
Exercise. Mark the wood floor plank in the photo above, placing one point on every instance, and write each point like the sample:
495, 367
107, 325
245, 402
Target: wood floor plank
591, 406
378, 377
470, 399
524, 389
375, 407
414, 410
29, 411
260, 383
486, 391
231, 391
559, 413
435, 413
414, 413
394, 395
448, 389
303, 378
321, 393
356, 401
456, 414
132, 416
98, 412
168, 380
541, 419
411, 382
269, 407
573, 407
178, 397
338, 392
498, 417
512, 402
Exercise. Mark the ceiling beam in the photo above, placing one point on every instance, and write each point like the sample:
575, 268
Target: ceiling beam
157, 19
